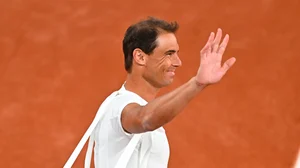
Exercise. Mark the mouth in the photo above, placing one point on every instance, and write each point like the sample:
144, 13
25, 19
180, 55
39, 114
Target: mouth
171, 73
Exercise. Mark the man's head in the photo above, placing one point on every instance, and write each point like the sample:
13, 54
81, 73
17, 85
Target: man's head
151, 50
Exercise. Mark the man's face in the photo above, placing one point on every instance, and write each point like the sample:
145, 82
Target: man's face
161, 64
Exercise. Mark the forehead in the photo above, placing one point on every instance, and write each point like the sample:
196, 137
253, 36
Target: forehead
167, 41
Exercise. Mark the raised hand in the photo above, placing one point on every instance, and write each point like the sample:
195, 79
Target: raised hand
210, 70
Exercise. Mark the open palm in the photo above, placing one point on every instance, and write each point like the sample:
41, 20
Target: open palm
210, 70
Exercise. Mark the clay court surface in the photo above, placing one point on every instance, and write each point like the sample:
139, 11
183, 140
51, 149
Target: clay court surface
59, 59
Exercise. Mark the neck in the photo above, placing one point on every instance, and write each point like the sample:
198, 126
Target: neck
141, 87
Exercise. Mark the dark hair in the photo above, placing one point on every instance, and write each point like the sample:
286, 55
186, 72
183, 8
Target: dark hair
143, 35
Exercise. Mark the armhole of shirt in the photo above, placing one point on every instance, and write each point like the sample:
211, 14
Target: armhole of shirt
127, 98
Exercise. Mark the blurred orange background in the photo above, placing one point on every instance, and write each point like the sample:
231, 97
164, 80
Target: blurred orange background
59, 59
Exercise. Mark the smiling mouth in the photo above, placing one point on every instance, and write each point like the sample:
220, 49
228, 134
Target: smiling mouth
171, 73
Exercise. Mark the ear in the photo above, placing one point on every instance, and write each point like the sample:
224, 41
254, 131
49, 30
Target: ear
139, 57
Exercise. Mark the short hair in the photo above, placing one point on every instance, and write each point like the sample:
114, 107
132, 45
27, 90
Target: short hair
143, 35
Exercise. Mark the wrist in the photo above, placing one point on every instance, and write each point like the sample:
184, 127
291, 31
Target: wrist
197, 84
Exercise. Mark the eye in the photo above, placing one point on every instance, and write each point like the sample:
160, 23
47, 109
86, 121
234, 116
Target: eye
169, 53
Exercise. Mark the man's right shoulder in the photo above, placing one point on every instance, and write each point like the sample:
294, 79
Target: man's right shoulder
118, 101
126, 98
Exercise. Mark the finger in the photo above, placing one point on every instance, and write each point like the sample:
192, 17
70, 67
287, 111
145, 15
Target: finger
217, 40
208, 44
297, 164
228, 64
223, 45
211, 37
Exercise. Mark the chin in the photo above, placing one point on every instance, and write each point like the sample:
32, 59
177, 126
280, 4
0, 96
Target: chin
168, 82
163, 82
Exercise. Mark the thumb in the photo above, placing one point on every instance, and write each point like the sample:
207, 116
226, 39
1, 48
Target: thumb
297, 163
228, 64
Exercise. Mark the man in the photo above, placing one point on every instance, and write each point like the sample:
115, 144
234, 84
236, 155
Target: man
151, 58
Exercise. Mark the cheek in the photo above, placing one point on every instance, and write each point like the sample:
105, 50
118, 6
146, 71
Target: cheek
159, 67
162, 63
161, 70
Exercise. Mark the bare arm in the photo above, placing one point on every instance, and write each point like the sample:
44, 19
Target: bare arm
138, 119
159, 111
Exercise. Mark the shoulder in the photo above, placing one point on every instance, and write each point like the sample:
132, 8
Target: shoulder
128, 97
121, 99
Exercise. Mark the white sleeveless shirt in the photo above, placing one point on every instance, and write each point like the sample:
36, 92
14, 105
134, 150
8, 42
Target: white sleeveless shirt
152, 150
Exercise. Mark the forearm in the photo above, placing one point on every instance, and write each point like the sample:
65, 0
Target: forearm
164, 108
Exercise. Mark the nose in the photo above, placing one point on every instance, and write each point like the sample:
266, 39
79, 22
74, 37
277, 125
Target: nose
176, 62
